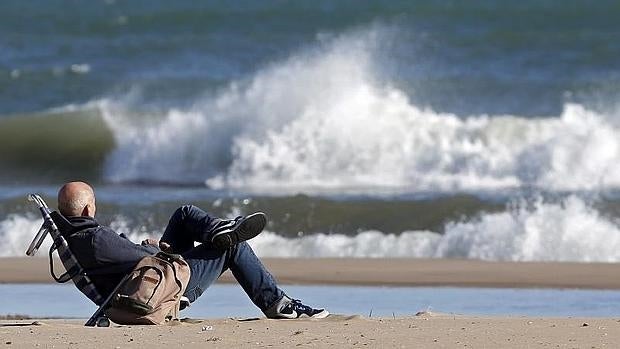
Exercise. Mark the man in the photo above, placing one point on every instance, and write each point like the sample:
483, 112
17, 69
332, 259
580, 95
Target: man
109, 256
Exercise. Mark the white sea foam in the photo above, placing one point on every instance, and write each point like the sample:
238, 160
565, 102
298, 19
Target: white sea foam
373, 244
16, 233
321, 119
80, 68
569, 230
565, 231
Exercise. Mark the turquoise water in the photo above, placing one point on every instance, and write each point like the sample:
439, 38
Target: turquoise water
221, 301
467, 57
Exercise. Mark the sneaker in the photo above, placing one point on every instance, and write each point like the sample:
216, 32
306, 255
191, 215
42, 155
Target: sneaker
232, 232
288, 308
184, 303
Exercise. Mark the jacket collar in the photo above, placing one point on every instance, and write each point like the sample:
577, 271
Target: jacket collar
82, 222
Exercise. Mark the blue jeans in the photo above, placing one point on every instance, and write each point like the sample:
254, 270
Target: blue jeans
190, 224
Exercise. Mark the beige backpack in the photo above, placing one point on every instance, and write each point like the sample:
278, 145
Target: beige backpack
152, 291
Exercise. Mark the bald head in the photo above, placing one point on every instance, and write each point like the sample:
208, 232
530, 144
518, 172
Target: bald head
76, 199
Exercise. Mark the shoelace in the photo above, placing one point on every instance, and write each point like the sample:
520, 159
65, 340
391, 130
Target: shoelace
299, 307
227, 223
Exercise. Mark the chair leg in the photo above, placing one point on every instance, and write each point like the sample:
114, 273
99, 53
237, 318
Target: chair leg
98, 318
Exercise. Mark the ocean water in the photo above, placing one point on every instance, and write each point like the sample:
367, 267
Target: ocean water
403, 129
223, 301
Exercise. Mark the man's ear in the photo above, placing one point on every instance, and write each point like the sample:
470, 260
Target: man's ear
88, 211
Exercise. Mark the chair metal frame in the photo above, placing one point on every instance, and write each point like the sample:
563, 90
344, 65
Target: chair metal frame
74, 270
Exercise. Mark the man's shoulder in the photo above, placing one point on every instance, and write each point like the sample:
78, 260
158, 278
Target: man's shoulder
87, 228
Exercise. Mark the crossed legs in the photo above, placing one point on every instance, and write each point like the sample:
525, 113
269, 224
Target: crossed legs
190, 224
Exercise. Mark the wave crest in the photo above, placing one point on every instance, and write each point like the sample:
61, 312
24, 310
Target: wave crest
321, 119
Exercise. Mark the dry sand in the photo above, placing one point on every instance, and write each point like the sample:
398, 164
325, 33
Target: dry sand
426, 331
339, 331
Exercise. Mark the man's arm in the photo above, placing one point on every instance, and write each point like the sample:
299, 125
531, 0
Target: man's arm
110, 248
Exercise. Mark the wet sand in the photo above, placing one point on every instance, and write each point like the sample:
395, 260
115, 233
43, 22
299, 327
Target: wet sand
393, 272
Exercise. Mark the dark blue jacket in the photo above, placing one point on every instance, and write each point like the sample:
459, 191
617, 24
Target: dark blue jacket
106, 255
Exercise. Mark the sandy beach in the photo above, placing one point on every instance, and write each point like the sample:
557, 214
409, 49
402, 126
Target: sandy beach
393, 272
424, 331
349, 331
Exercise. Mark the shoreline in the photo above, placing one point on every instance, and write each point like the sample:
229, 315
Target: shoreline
425, 329
389, 272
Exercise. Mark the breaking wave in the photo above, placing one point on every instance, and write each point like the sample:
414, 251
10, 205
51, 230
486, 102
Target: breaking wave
323, 118
569, 230
565, 231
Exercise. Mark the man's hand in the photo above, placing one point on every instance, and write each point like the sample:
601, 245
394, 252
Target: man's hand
149, 242
164, 246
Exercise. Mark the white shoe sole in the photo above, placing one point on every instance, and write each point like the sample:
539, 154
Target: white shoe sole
322, 315
236, 232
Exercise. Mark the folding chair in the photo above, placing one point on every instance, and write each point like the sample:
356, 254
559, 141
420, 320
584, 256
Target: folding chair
74, 271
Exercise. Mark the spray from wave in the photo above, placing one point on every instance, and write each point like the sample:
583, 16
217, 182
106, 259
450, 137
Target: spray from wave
322, 119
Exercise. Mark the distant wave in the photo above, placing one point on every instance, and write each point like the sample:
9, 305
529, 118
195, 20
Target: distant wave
569, 230
42, 147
